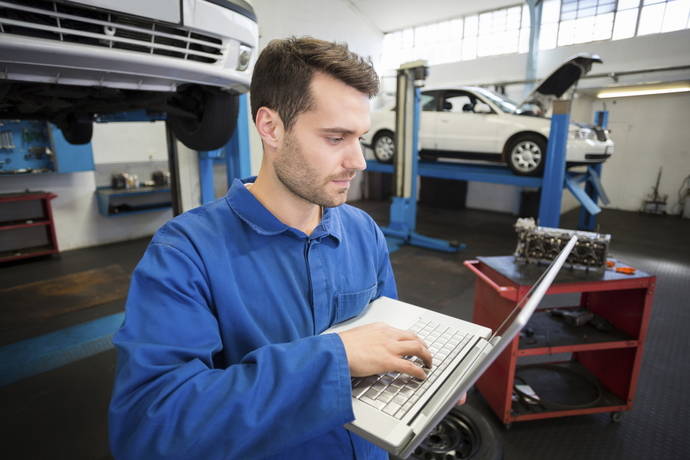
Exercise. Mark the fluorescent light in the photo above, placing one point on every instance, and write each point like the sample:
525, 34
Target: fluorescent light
642, 91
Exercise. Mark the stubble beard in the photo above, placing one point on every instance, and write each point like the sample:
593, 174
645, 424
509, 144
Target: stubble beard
293, 171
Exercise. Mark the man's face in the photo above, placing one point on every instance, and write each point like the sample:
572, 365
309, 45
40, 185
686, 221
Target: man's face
321, 153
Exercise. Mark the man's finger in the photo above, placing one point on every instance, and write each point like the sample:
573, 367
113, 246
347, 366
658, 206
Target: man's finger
409, 368
414, 348
406, 335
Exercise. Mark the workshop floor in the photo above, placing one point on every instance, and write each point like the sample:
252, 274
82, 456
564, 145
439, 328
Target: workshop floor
61, 414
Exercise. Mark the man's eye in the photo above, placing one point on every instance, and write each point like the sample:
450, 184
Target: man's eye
335, 140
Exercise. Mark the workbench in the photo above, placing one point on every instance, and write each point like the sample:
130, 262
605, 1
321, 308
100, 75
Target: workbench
610, 359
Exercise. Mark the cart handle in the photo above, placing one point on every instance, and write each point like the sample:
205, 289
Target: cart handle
506, 292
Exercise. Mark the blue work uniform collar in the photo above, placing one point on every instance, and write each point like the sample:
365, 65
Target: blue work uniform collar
260, 219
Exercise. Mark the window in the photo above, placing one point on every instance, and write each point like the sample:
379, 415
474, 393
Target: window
506, 30
663, 16
457, 103
626, 19
584, 21
548, 34
428, 102
499, 31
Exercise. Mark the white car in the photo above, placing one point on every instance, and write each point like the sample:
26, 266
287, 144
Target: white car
475, 123
69, 61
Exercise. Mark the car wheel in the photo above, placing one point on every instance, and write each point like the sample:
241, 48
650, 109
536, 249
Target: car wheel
526, 155
211, 118
463, 434
75, 129
384, 146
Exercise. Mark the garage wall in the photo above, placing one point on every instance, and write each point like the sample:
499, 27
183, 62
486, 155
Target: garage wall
650, 132
335, 20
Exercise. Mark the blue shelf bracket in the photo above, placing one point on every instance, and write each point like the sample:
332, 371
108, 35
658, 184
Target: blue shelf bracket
403, 211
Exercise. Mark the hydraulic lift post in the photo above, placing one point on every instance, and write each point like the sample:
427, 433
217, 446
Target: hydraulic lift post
588, 221
554, 168
403, 213
236, 152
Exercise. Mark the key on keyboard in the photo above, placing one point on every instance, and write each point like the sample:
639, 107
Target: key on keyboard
395, 393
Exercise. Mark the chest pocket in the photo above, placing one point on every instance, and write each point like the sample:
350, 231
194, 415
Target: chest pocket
350, 304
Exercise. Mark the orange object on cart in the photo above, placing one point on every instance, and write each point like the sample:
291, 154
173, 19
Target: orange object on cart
610, 263
626, 270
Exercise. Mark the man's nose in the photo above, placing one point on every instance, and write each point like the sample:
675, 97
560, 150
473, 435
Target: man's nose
355, 158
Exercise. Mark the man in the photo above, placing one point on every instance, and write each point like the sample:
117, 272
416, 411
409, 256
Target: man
220, 355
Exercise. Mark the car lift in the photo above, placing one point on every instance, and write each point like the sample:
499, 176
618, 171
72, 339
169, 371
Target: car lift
407, 167
403, 212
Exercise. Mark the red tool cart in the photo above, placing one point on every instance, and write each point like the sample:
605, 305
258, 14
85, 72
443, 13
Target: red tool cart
606, 357
26, 225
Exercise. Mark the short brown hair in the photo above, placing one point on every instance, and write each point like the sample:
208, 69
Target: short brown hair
285, 68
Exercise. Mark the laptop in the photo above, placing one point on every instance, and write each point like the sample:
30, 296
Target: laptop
396, 411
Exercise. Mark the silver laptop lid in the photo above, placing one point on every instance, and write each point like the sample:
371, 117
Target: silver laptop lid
551, 271
490, 349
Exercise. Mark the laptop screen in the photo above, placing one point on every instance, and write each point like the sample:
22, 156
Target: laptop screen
559, 260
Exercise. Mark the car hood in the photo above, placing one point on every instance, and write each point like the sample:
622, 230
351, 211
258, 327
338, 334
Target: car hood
557, 83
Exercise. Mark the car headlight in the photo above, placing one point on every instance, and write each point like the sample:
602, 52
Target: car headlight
582, 133
244, 58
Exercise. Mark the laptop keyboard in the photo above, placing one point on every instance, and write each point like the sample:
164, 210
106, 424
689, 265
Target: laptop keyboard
395, 393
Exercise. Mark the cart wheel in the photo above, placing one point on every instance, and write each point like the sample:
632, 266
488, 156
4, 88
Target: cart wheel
616, 417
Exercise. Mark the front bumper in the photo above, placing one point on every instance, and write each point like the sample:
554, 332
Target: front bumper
60, 61
589, 150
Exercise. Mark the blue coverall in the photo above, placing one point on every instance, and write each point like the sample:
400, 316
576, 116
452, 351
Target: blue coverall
220, 356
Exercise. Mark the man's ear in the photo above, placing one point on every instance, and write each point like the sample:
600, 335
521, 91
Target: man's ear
270, 127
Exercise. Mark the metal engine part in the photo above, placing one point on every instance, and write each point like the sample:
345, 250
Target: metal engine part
542, 245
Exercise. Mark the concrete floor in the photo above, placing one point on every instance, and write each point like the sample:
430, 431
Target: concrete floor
61, 414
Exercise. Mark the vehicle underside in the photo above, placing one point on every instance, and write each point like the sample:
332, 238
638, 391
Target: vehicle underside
74, 108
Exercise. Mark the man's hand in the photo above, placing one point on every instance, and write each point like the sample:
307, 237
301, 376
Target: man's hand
378, 348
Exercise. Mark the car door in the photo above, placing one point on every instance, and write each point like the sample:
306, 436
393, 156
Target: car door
427, 128
465, 123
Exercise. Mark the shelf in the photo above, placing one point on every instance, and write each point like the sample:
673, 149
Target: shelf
26, 225
112, 192
23, 224
552, 335
552, 386
122, 211
27, 252
121, 202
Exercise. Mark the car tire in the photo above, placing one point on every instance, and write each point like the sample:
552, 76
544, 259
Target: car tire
76, 130
384, 146
214, 122
465, 433
526, 155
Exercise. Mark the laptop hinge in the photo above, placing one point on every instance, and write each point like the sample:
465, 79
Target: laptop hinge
441, 401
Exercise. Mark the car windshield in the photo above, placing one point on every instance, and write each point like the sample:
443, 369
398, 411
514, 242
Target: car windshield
503, 103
